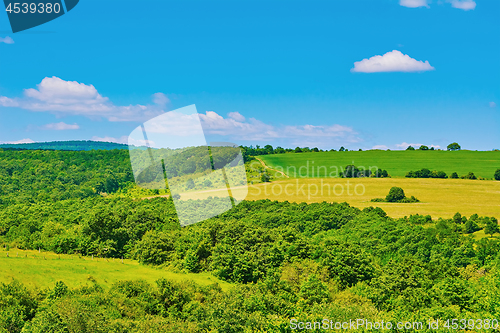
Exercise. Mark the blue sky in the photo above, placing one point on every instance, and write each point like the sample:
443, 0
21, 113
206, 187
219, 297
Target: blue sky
289, 73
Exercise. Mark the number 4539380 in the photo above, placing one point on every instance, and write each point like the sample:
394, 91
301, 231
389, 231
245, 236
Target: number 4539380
32, 8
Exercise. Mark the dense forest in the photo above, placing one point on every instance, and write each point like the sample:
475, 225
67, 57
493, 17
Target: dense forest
66, 145
284, 260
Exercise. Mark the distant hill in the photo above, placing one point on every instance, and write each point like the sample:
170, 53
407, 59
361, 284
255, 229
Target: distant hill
66, 145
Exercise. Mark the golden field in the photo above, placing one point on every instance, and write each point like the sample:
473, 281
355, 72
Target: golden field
439, 197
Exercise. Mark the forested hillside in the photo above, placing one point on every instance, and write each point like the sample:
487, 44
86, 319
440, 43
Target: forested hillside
66, 145
284, 260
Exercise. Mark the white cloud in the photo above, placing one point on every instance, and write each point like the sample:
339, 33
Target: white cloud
124, 139
236, 116
394, 61
383, 147
463, 4
253, 129
413, 3
61, 126
6, 40
405, 145
493, 105
18, 142
73, 98
160, 99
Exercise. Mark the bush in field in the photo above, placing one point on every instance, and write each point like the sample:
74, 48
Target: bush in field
426, 173
497, 174
454, 175
265, 177
470, 175
395, 194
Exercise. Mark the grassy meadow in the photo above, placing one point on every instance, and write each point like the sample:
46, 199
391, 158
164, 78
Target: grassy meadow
397, 163
312, 179
41, 270
439, 197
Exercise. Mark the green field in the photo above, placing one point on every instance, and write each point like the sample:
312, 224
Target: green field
41, 270
397, 163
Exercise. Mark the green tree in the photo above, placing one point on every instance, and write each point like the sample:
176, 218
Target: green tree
395, 194
454, 175
265, 177
190, 184
453, 146
497, 174
298, 150
457, 218
313, 290
410, 148
422, 147
491, 227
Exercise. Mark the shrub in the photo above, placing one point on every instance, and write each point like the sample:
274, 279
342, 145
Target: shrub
410, 148
497, 175
395, 194
454, 175
426, 173
470, 175
411, 199
265, 177
471, 226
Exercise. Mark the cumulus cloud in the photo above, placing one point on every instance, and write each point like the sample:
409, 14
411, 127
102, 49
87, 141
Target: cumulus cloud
6, 40
383, 147
18, 142
241, 128
413, 3
73, 98
236, 116
125, 140
61, 126
493, 105
405, 145
463, 4
393, 61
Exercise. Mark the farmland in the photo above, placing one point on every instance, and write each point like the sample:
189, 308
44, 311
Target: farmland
397, 163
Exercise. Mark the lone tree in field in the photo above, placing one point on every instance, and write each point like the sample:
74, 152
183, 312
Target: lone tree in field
410, 148
422, 147
497, 174
453, 146
395, 194
454, 175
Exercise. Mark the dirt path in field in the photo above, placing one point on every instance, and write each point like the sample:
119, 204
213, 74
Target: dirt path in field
266, 167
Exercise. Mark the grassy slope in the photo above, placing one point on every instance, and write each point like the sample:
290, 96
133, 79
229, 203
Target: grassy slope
397, 163
75, 271
439, 197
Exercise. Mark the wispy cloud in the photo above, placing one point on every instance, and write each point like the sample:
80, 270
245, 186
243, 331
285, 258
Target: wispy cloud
383, 147
394, 61
405, 145
18, 142
6, 40
62, 97
463, 4
414, 3
61, 126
